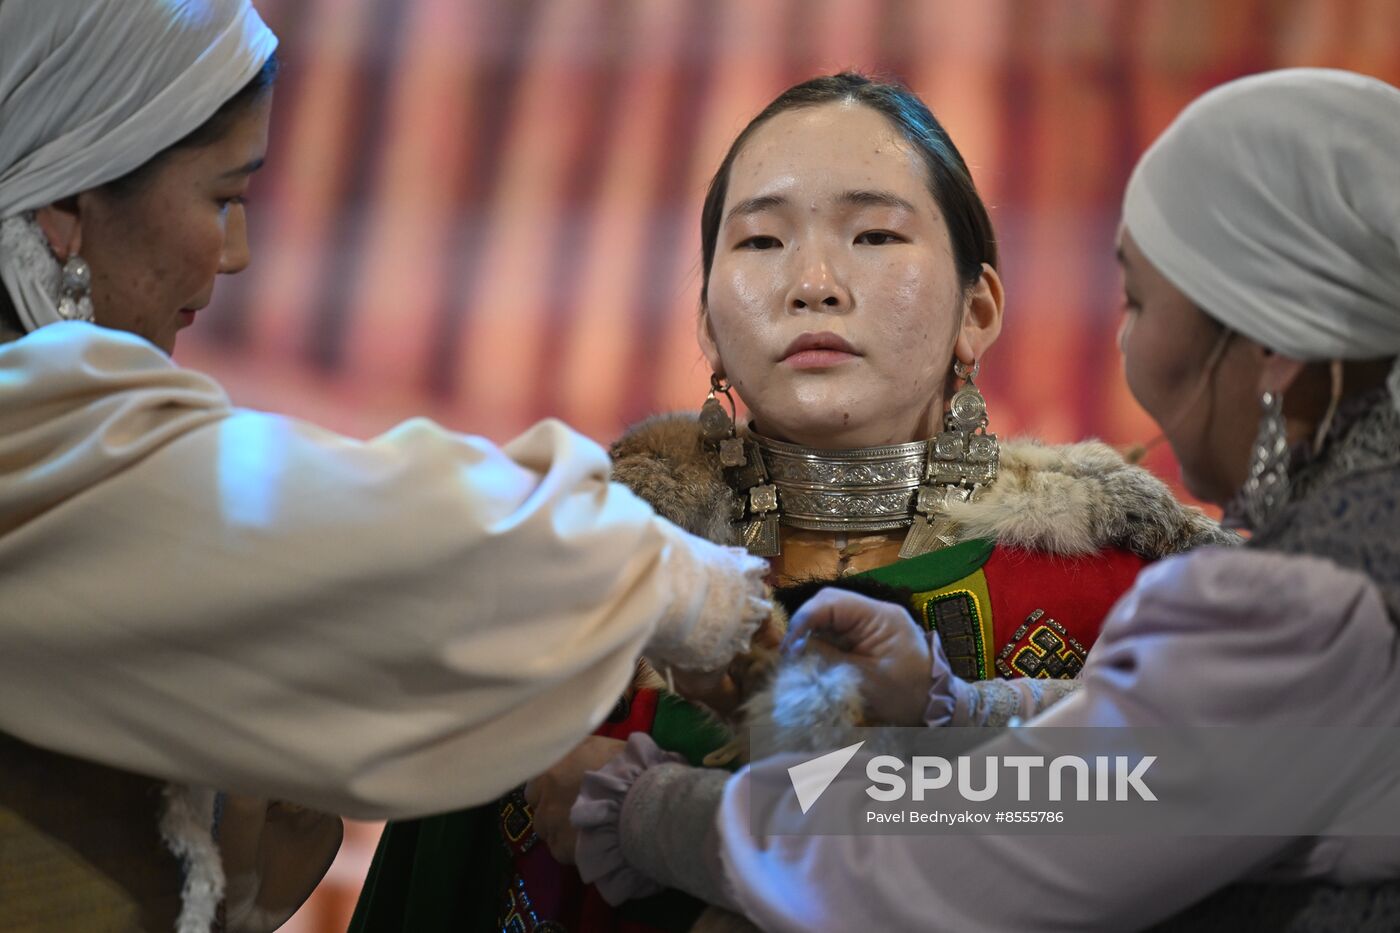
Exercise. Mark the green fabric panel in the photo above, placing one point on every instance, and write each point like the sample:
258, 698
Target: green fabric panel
682, 727
936, 569
446, 874
440, 874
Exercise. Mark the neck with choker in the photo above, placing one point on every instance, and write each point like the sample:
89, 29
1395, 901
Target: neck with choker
862, 490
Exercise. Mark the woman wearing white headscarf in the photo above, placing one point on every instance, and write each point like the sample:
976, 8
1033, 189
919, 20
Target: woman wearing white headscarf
224, 598
1261, 257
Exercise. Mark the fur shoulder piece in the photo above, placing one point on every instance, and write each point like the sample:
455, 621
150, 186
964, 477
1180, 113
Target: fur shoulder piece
664, 460
1068, 499
1075, 499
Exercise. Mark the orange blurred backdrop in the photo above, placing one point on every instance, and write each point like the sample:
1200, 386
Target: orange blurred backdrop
487, 211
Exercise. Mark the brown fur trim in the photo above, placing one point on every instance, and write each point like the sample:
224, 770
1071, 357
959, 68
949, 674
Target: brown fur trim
664, 461
1075, 499
1068, 499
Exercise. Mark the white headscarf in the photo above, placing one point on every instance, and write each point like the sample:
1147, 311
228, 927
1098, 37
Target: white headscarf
1273, 203
92, 89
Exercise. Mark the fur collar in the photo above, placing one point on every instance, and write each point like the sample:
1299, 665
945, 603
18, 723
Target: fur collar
1068, 499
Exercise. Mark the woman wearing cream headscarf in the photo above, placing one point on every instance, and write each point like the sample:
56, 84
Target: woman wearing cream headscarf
1261, 256
223, 598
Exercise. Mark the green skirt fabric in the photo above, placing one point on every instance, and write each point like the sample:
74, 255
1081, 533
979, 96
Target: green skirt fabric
450, 872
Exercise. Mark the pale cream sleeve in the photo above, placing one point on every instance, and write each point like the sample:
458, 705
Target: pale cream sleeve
381, 629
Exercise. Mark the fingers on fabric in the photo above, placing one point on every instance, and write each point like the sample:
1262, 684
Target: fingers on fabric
830, 653
853, 623
551, 795
771, 631
833, 613
881, 640
550, 815
716, 690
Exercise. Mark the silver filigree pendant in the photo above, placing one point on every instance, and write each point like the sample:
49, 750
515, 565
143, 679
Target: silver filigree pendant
968, 409
963, 453
1266, 487
763, 499
715, 423
920, 540
761, 536
731, 453
932, 529
75, 299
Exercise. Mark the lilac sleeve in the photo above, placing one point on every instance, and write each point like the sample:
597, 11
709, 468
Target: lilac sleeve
646, 822
1210, 638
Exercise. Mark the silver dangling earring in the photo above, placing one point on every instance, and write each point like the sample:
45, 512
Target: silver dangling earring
718, 426
962, 459
1265, 489
75, 297
757, 506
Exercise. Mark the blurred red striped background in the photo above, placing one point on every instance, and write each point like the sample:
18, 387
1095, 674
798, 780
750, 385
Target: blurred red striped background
486, 211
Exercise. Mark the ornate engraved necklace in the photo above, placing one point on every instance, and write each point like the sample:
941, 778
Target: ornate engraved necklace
863, 489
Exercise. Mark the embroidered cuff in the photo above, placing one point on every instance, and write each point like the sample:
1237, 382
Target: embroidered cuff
1004, 702
597, 815
719, 601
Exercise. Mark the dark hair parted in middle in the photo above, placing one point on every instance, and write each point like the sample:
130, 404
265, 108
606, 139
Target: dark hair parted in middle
950, 182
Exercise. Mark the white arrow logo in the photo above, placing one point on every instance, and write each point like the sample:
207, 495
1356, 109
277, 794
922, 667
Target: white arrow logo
811, 778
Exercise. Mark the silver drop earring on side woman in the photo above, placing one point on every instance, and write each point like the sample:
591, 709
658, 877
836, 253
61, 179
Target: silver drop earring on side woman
1265, 489
75, 295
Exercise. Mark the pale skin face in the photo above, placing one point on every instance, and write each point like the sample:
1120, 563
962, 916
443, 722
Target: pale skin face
1209, 414
157, 250
831, 235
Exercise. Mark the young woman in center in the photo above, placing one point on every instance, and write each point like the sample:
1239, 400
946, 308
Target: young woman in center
850, 294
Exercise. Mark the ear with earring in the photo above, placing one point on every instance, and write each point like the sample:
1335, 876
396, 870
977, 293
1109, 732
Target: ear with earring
75, 285
75, 295
1265, 488
962, 459
757, 508
45, 289
718, 426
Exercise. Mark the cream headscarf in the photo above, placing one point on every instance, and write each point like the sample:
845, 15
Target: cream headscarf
92, 89
1273, 203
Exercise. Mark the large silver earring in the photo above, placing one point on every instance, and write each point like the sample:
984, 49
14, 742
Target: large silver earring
718, 426
962, 459
75, 296
757, 507
1265, 489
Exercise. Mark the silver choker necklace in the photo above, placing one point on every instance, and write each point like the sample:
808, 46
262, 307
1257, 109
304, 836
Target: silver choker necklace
865, 489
